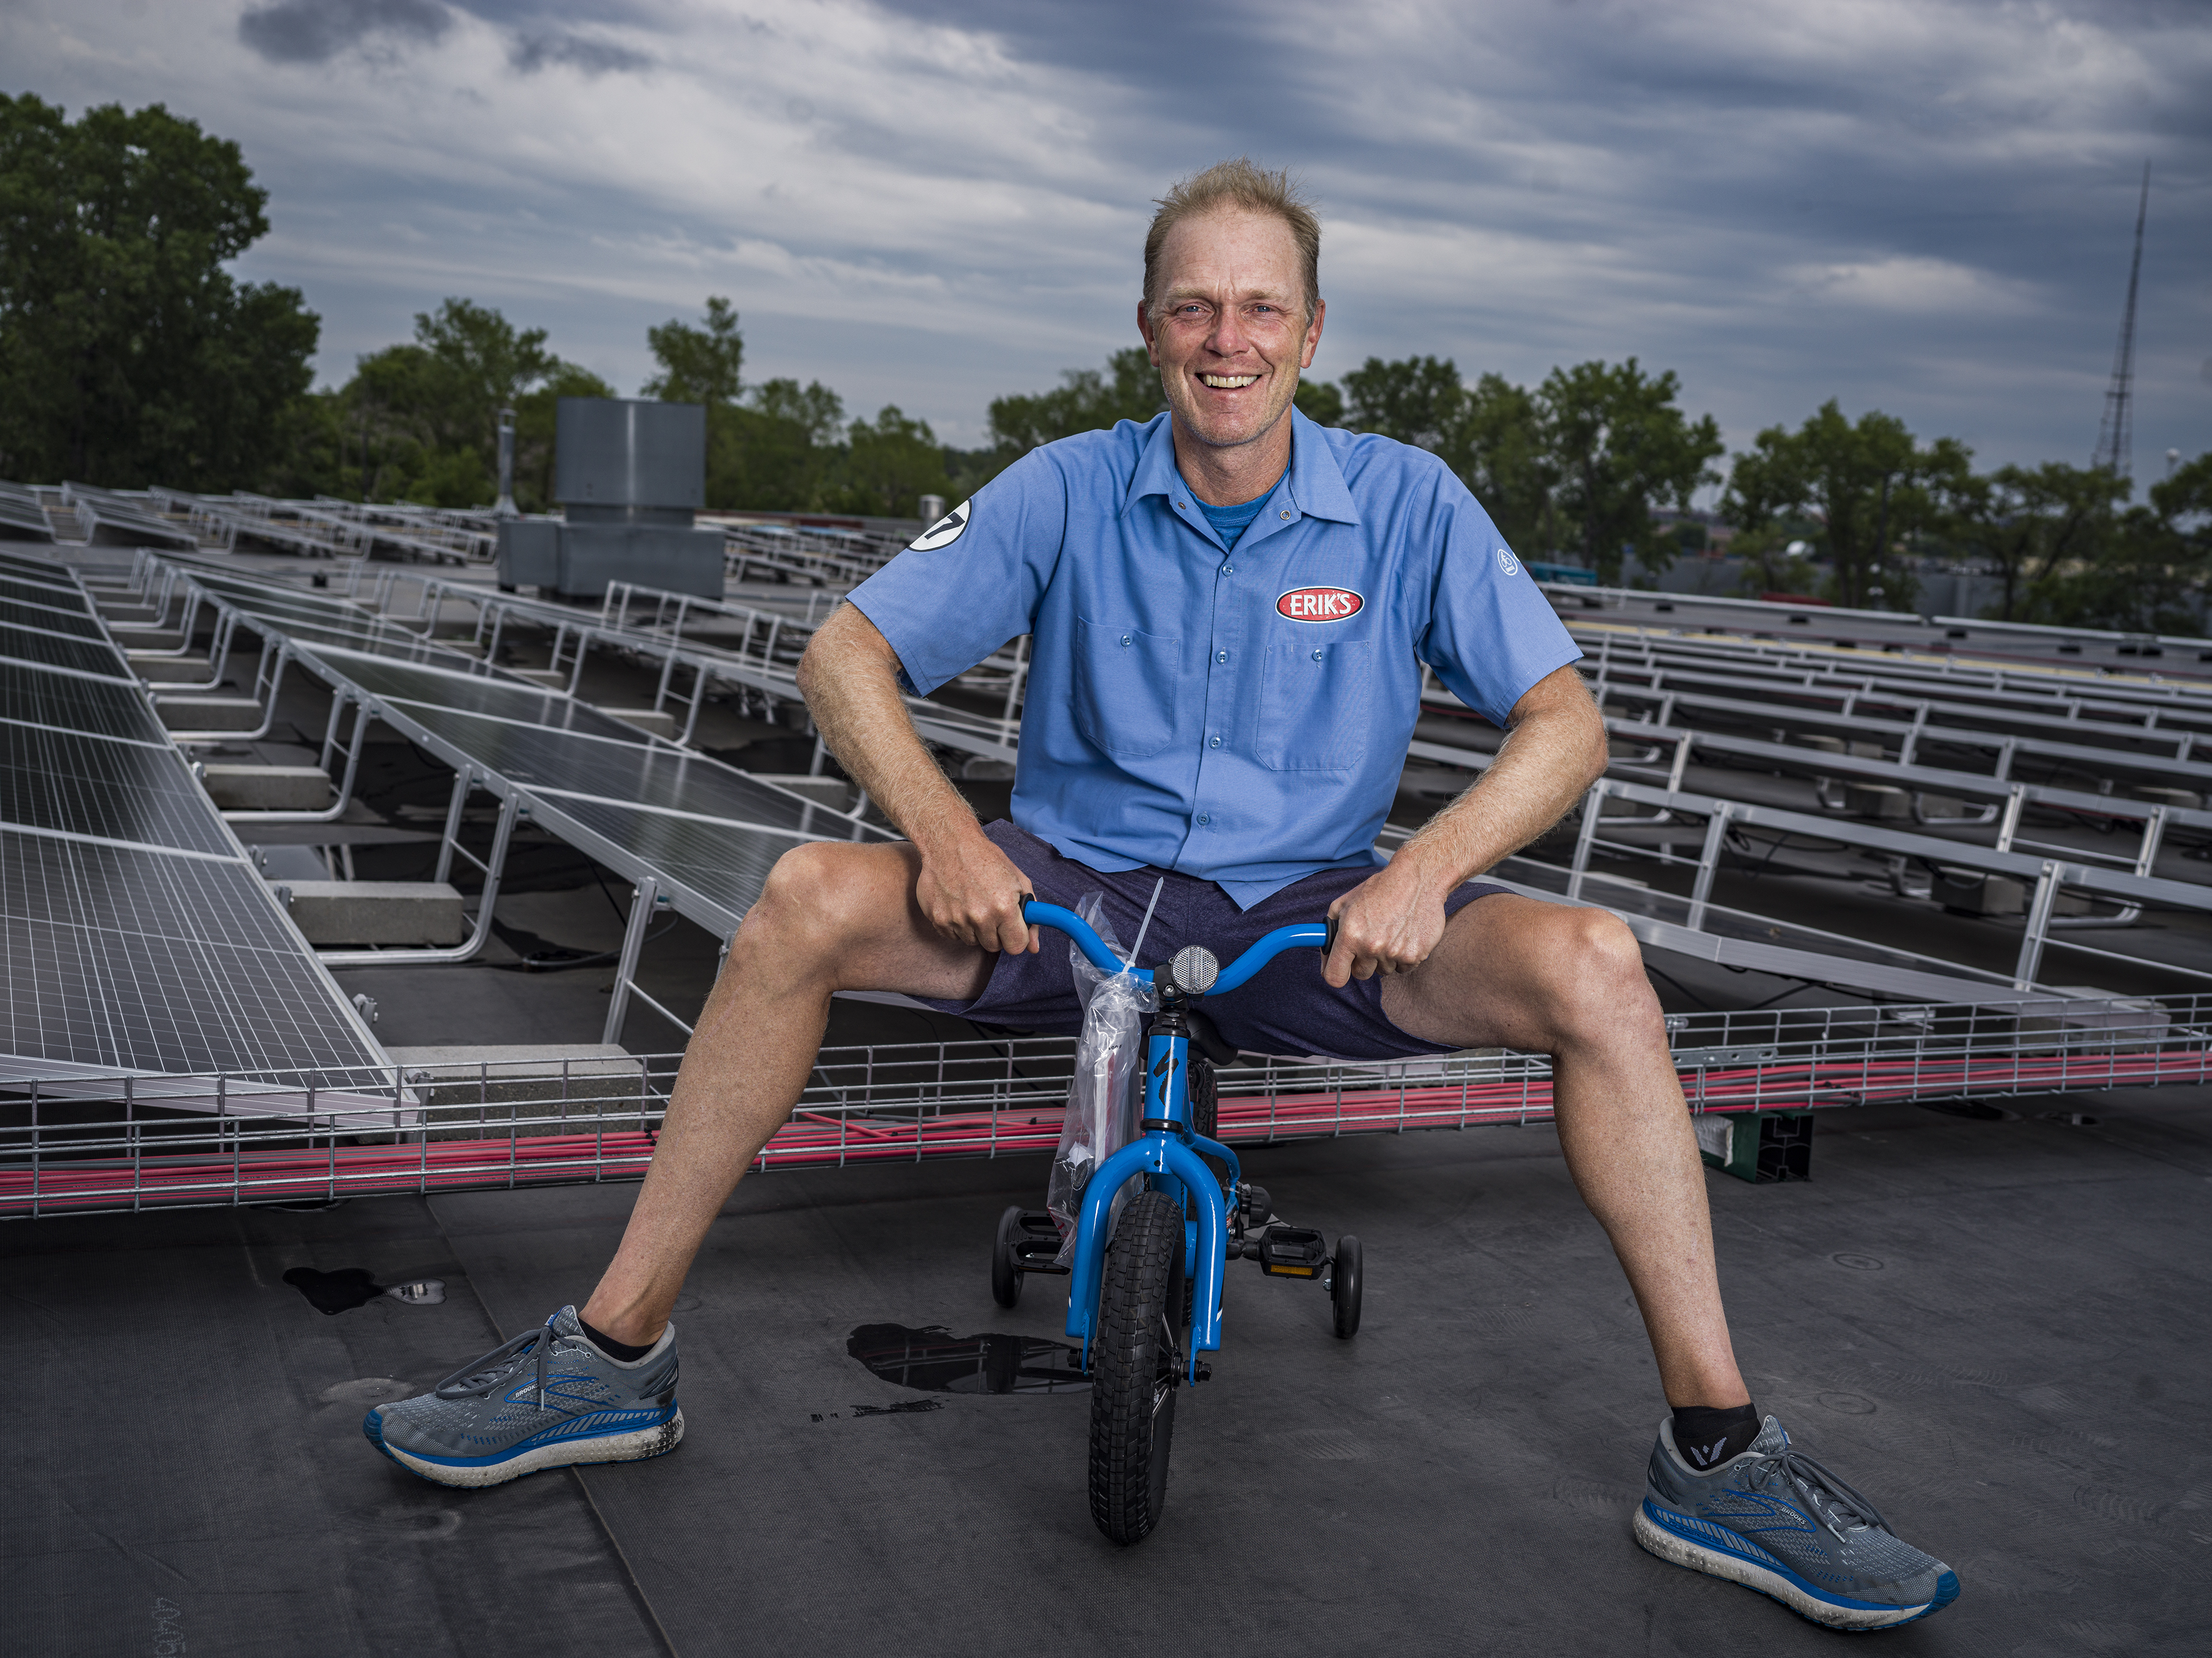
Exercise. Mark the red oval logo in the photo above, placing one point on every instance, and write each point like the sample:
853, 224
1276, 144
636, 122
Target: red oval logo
1320, 603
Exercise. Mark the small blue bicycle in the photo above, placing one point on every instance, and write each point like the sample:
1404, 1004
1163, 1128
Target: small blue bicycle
1147, 1302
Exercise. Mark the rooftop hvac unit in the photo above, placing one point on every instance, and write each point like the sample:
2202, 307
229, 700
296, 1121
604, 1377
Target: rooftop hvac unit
628, 473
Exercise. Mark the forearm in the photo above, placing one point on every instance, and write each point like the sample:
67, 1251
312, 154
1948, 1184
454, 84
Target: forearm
849, 679
1550, 756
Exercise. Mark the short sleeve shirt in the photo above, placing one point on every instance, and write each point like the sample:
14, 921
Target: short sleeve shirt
1238, 716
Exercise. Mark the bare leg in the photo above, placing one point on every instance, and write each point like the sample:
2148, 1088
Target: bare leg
832, 917
1545, 978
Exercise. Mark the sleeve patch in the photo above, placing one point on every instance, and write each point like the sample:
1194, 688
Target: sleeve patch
947, 530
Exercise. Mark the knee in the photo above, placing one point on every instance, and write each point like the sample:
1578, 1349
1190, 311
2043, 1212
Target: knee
1592, 976
806, 905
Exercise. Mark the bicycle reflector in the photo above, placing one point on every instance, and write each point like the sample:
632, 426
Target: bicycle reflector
1194, 969
1292, 1252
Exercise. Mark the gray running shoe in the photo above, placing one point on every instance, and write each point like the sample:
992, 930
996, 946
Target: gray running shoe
1775, 1520
546, 1399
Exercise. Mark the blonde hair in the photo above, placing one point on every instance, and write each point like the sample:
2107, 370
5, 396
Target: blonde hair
1237, 184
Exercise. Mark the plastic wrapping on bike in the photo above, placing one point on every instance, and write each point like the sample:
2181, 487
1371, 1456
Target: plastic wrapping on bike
1105, 1099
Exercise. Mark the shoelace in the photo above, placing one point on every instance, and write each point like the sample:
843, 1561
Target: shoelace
481, 1376
1822, 1493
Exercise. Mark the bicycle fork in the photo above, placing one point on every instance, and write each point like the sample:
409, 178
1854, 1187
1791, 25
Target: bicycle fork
1167, 1154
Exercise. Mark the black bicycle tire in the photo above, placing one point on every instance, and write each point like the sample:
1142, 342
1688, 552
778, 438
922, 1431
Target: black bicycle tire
1006, 1277
1135, 1369
1346, 1279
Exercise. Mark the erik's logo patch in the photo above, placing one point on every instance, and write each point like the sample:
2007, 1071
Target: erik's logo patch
1507, 563
944, 532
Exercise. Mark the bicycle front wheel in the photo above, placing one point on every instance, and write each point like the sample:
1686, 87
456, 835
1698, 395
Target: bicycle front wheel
1136, 1364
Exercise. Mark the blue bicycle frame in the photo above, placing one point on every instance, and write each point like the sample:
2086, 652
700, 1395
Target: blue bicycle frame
1168, 1156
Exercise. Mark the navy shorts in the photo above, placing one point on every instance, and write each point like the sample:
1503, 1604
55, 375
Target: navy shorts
1286, 1008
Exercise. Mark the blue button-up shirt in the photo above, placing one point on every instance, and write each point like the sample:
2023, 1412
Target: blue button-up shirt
1238, 716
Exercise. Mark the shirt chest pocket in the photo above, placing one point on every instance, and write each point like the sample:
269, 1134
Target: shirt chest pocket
1315, 700
1125, 686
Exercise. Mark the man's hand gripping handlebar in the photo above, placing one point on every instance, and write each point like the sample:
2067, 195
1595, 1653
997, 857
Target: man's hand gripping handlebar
1195, 971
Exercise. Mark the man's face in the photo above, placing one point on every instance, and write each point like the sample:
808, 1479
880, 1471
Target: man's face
1230, 334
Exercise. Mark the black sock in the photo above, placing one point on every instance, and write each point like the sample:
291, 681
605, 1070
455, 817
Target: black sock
623, 1353
1707, 1437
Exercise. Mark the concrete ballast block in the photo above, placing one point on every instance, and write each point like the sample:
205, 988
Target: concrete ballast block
377, 912
268, 788
1972, 892
209, 713
654, 722
1878, 800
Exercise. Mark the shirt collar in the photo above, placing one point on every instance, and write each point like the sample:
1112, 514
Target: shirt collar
1314, 481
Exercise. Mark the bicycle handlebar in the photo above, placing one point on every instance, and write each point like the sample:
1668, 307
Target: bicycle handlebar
1308, 934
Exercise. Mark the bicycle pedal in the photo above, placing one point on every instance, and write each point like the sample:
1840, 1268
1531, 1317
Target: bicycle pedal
1292, 1252
1035, 1242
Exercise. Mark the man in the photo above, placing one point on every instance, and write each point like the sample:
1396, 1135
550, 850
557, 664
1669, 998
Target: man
1229, 608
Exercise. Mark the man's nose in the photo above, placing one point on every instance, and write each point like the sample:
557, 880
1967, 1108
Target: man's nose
1227, 337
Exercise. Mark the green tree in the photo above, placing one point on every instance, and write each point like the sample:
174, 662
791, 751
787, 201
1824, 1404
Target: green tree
697, 364
1501, 449
1319, 402
128, 354
1086, 400
814, 408
1621, 447
2030, 522
890, 465
1492, 435
2140, 569
1868, 484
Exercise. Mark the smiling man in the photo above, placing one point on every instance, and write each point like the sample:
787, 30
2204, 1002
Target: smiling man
1230, 609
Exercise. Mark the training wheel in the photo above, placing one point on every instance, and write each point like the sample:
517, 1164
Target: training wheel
1344, 1286
1006, 1277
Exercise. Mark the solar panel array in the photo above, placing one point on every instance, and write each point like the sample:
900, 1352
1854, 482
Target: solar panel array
706, 832
135, 936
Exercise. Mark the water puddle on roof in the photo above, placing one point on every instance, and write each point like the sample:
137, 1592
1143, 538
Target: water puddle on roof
932, 1359
356, 1286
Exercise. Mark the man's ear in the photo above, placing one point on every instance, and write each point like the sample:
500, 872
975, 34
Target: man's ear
1145, 328
1313, 333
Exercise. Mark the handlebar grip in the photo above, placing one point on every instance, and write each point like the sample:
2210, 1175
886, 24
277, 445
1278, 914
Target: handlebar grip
1328, 942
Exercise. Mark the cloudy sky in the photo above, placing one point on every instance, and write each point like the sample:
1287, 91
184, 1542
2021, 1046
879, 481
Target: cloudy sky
1918, 205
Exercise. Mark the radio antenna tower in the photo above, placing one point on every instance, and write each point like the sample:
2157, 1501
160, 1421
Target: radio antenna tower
2115, 435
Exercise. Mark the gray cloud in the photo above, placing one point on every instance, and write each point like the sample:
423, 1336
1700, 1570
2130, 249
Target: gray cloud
1916, 205
535, 49
315, 31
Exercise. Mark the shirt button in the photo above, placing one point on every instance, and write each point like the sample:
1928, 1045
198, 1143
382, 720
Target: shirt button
1214, 744
1316, 653
1181, 505
1203, 820
1125, 639
1286, 515
1228, 569
1221, 656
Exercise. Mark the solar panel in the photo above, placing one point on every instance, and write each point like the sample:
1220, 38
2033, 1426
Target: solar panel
121, 791
57, 649
134, 935
59, 594
35, 569
104, 704
50, 618
149, 961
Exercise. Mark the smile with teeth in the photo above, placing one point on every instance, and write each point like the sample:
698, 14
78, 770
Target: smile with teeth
1227, 382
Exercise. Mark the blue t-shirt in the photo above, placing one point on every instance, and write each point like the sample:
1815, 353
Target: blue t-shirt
1231, 522
1239, 717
